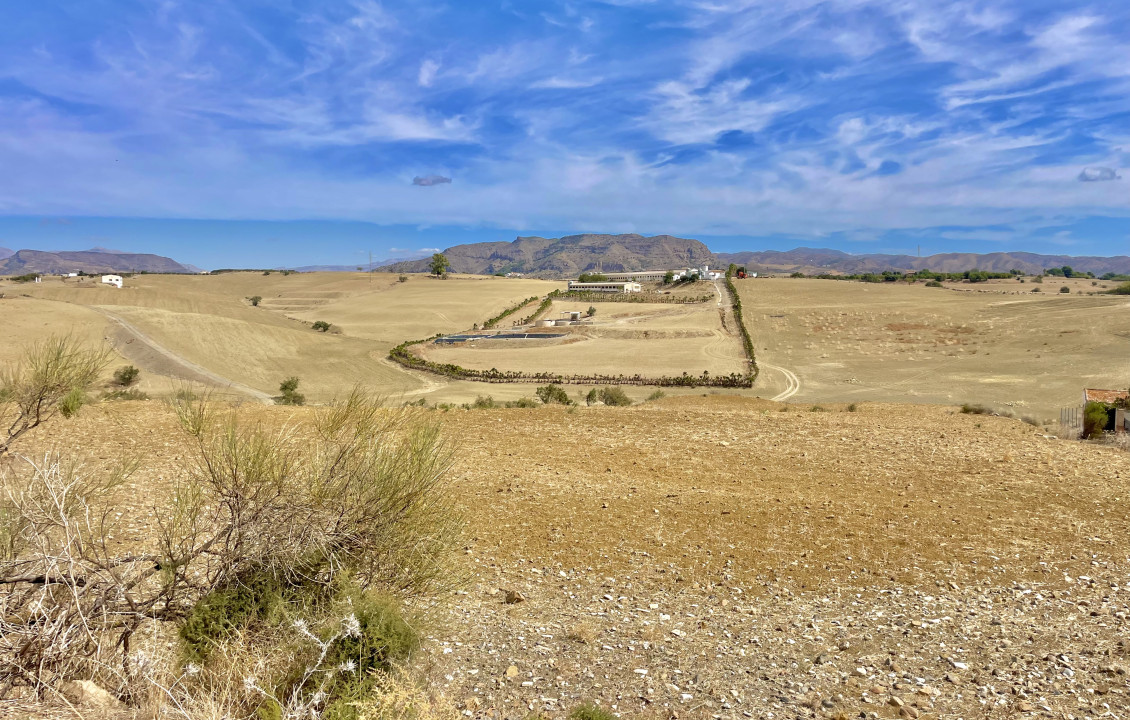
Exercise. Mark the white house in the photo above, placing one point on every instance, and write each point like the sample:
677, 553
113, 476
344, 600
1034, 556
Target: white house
115, 280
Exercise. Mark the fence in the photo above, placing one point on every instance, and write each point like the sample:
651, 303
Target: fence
1070, 420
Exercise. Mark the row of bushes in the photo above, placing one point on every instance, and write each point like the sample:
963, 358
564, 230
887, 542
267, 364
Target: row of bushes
507, 312
587, 296
403, 355
747, 341
542, 307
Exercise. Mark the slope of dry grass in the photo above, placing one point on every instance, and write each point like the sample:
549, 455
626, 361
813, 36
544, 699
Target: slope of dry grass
1027, 353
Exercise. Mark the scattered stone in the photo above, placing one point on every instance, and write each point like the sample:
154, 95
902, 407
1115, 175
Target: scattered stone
513, 597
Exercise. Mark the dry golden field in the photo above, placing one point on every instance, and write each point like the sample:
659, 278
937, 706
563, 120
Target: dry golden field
995, 344
733, 557
203, 328
621, 338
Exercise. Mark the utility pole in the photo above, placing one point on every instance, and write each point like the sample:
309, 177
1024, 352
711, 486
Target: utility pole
370, 267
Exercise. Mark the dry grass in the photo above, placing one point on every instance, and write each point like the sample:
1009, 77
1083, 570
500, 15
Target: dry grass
1028, 354
628, 338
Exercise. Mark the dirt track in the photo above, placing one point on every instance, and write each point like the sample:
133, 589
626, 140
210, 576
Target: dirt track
153, 357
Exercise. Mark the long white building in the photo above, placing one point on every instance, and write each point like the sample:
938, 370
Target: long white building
608, 286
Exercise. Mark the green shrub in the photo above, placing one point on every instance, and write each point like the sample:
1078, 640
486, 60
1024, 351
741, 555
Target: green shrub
853, 408
550, 394
1123, 289
321, 326
657, 395
522, 403
614, 396
1035, 289
402, 278
255, 300
972, 409
25, 278
591, 277
591, 311
126, 375
1096, 419
934, 283
289, 394
592, 397
589, 711
483, 402
1065, 289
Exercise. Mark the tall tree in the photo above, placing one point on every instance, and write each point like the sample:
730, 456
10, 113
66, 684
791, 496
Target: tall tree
440, 264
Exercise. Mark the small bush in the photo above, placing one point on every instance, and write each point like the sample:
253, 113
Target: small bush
816, 408
255, 300
592, 397
289, 394
853, 408
1065, 289
402, 278
483, 402
550, 394
1035, 289
1123, 289
934, 283
588, 711
522, 403
126, 375
25, 278
321, 326
971, 409
1038, 279
591, 311
657, 395
614, 396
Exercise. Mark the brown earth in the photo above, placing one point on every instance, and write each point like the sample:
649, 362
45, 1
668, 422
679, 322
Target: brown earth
729, 557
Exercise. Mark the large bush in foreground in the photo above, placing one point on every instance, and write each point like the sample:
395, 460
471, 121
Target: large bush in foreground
271, 556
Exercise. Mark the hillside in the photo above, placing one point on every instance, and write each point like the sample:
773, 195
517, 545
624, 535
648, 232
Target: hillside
89, 261
569, 255
816, 260
6, 253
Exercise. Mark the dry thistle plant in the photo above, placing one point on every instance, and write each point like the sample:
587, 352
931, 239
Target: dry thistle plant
350, 502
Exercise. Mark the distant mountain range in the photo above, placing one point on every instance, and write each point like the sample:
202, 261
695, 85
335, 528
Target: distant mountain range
817, 260
96, 260
5, 253
568, 256
571, 255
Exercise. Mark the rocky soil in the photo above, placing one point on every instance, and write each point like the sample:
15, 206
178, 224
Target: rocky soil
721, 557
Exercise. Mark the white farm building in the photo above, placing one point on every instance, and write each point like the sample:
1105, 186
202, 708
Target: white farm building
606, 287
115, 280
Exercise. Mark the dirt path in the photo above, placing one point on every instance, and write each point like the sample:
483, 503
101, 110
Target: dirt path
168, 362
792, 382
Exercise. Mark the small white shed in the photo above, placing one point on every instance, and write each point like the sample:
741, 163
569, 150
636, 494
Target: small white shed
115, 280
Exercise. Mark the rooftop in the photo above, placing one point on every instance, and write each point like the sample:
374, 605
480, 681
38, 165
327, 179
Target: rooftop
1104, 396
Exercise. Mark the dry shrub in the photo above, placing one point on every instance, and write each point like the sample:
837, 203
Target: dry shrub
395, 696
347, 508
52, 377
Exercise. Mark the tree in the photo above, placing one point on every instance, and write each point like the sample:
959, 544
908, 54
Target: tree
668, 277
592, 277
591, 311
51, 378
255, 300
126, 375
290, 394
1068, 271
321, 326
439, 265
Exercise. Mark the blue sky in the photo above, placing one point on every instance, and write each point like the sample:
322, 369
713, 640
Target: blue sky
293, 132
